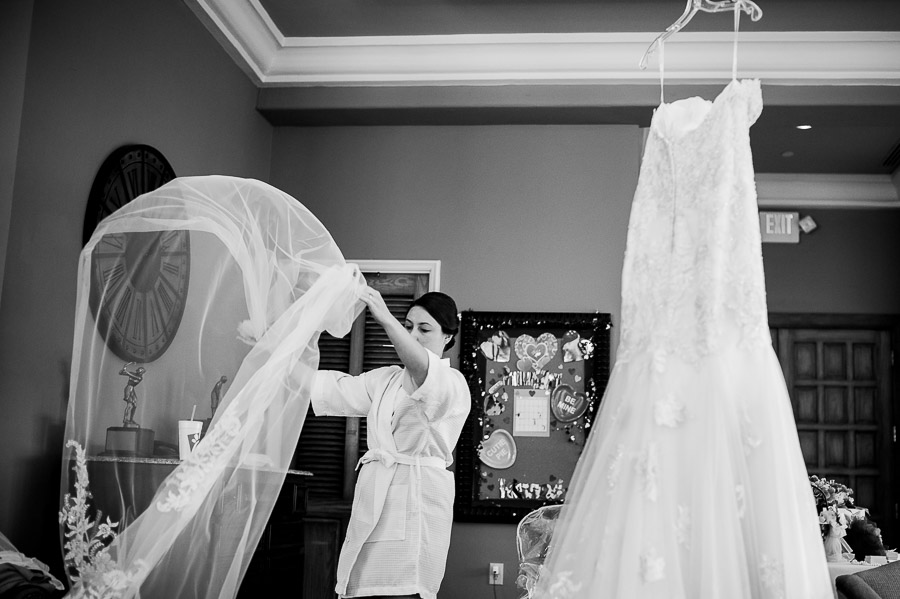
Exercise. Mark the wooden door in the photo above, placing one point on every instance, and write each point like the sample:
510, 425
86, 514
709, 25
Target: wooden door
840, 382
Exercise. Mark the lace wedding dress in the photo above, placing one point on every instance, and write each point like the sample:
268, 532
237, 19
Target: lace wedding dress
692, 484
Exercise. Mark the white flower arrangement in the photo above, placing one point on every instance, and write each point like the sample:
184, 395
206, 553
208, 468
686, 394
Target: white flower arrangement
86, 539
90, 567
835, 504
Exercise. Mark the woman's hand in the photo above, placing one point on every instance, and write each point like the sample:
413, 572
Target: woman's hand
373, 300
413, 355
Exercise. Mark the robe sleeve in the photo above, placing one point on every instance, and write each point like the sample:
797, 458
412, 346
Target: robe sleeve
335, 393
444, 394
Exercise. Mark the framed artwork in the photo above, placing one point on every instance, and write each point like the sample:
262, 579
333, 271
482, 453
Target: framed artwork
536, 380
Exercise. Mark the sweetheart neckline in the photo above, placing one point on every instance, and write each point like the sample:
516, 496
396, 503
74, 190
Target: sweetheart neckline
654, 126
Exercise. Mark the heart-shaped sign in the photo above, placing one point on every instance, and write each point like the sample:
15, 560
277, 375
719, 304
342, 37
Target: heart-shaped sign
538, 351
571, 346
497, 347
499, 450
493, 406
566, 404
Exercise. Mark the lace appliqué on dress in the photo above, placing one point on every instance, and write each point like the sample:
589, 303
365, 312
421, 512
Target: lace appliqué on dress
683, 527
648, 468
668, 411
741, 500
562, 586
659, 361
653, 567
751, 442
615, 467
772, 576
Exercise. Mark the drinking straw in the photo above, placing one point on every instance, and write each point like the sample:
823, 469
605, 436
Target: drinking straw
192, 412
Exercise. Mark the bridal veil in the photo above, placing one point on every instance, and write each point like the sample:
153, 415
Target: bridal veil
206, 280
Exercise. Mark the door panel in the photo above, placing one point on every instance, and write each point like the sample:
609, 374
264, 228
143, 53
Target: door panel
840, 386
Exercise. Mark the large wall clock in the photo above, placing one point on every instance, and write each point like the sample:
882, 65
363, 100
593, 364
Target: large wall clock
139, 280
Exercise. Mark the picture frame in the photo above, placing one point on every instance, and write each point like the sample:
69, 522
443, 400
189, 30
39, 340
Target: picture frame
536, 380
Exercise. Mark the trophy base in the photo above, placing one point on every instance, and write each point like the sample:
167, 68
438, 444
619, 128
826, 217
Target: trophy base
128, 441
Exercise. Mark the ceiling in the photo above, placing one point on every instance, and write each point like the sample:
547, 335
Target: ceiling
832, 65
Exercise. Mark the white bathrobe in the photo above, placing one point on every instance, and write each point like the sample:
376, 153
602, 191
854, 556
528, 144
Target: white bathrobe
399, 530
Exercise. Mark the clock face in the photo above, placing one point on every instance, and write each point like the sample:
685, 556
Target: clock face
139, 281
125, 174
139, 285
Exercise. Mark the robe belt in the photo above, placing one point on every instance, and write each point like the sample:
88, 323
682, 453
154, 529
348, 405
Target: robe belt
389, 459
383, 476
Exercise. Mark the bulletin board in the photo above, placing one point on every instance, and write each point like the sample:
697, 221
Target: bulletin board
536, 380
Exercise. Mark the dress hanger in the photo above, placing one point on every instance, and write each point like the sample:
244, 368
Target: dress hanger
692, 8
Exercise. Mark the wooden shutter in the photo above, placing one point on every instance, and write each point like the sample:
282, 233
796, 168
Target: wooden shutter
321, 446
329, 446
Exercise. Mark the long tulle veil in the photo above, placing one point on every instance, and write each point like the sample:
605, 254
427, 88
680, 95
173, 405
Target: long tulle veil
265, 278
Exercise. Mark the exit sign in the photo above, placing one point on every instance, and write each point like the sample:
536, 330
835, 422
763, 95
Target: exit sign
779, 227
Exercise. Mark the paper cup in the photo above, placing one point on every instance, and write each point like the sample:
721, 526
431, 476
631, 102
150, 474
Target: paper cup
188, 436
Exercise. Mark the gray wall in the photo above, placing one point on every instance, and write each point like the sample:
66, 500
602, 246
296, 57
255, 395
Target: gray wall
522, 217
534, 218
849, 264
99, 75
15, 28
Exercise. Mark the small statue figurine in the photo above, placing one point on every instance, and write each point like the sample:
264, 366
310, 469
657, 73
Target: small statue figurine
216, 395
134, 377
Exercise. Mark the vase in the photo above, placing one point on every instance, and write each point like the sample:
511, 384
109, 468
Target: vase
834, 548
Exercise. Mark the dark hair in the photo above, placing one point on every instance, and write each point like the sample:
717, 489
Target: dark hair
442, 308
863, 538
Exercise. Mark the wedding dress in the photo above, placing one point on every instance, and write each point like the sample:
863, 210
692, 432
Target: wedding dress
692, 484
265, 279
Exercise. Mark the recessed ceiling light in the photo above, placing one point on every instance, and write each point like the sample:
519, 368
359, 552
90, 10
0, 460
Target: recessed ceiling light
804, 127
787, 154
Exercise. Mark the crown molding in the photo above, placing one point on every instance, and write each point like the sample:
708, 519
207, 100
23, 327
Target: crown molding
788, 58
794, 190
245, 30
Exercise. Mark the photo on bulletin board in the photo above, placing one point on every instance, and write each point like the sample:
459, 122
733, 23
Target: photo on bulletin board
536, 381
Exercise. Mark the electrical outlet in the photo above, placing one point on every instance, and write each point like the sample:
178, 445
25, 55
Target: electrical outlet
495, 574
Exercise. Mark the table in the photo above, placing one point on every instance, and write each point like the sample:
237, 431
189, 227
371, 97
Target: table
124, 486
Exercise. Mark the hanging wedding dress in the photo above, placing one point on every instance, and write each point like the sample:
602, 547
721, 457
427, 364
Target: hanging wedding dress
264, 278
692, 484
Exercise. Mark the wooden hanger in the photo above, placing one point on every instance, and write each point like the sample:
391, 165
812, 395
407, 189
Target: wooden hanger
695, 6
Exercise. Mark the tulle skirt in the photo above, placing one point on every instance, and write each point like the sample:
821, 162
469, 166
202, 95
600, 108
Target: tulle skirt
692, 486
